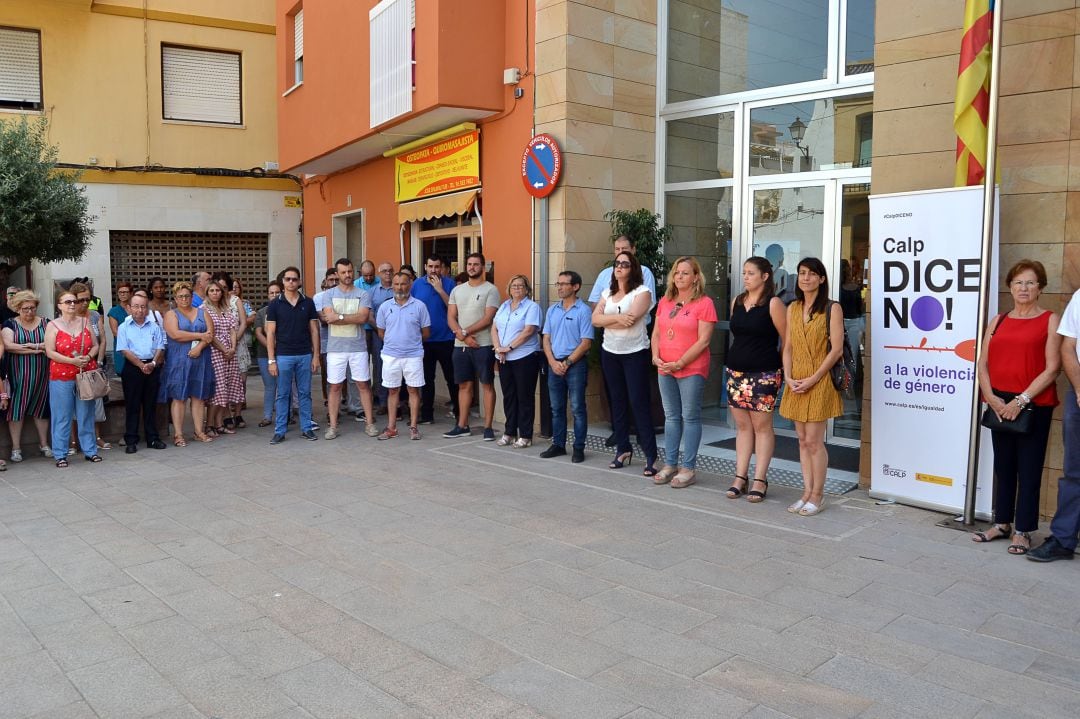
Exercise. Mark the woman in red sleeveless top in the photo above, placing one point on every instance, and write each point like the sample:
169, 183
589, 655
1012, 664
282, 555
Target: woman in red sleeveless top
71, 348
1019, 363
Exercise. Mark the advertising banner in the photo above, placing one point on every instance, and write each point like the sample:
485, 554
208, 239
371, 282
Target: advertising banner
445, 166
925, 255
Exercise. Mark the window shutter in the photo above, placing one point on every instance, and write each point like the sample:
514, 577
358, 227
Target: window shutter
298, 34
200, 85
391, 24
20, 68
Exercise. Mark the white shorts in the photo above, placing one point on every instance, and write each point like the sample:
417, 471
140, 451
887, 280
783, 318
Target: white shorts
394, 369
338, 362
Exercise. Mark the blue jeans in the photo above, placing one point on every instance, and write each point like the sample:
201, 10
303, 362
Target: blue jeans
293, 368
64, 406
682, 418
573, 384
269, 388
1066, 523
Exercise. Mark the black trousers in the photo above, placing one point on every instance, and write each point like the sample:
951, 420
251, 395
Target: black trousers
518, 379
140, 397
1018, 467
437, 354
627, 378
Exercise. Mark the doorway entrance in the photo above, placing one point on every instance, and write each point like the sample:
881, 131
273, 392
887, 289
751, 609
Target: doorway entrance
452, 238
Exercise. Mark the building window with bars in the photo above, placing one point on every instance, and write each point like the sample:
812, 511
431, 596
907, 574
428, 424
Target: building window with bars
201, 85
20, 69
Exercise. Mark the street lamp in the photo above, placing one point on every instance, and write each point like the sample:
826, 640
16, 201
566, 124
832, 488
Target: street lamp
797, 130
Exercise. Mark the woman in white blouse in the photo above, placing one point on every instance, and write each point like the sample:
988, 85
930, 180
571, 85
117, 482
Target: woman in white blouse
625, 359
516, 336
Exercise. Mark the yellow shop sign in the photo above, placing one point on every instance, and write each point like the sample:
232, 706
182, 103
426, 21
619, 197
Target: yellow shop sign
445, 166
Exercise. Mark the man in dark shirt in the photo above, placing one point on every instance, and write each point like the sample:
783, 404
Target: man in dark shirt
434, 291
292, 347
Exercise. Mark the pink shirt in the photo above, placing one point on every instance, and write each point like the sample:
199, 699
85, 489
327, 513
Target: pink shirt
676, 334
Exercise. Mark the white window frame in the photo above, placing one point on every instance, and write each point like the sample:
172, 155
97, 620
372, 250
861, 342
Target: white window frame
193, 90
17, 79
391, 24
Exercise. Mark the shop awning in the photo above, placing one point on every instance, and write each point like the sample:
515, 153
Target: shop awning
457, 203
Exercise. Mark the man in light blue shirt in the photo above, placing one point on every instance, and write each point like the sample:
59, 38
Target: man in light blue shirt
568, 335
382, 291
142, 342
404, 323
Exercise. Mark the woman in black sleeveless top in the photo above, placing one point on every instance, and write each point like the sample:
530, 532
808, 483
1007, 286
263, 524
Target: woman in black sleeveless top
753, 375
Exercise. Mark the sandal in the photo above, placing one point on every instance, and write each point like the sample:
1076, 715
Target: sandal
621, 460
265, 422
684, 479
650, 470
664, 475
203, 437
239, 422
755, 495
95, 458
734, 492
227, 422
102, 444
1018, 548
1003, 532
224, 429
61, 463
179, 441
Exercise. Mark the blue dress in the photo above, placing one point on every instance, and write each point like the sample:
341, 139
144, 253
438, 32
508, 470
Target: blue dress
186, 377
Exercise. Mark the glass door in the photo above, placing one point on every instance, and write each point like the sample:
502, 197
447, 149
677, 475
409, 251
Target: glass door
852, 240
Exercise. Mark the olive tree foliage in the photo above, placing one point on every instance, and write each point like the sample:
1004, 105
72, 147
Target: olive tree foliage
43, 212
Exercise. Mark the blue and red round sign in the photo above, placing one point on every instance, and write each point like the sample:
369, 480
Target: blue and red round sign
541, 165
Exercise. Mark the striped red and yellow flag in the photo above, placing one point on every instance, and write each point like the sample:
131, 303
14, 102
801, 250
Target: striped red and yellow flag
973, 93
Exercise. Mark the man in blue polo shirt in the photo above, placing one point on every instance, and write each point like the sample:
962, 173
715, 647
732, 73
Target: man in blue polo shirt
434, 291
292, 348
381, 292
568, 335
403, 325
142, 343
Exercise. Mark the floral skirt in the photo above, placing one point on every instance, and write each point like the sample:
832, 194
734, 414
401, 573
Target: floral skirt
754, 391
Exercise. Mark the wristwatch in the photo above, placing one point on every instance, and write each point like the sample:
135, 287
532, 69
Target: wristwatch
340, 318
271, 361
568, 361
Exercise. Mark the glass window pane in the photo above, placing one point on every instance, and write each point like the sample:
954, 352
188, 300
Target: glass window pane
700, 222
832, 133
860, 37
717, 47
701, 148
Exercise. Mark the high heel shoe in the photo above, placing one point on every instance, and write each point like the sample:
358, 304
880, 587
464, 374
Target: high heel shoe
755, 495
650, 468
684, 479
664, 475
734, 492
621, 460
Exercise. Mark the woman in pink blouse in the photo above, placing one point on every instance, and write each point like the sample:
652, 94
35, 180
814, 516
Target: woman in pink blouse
685, 318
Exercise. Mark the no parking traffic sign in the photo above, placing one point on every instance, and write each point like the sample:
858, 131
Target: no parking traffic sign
541, 165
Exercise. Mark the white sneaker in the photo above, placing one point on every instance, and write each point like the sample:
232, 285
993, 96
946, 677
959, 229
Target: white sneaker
331, 433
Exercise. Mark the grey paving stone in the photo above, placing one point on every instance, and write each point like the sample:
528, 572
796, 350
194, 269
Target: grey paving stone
83, 642
127, 605
142, 692
24, 573
294, 609
443, 692
760, 612
555, 694
458, 648
762, 645
264, 647
875, 647
174, 644
239, 577
166, 577
383, 611
861, 565
733, 580
39, 531
211, 607
894, 689
361, 648
800, 575
783, 691
670, 693
129, 550
319, 579
471, 611
329, 691
197, 551
17, 639
78, 710
661, 613
560, 649
559, 579
671, 651
267, 553
1030, 633
49, 604
857, 611
560, 610
642, 578
962, 643
308, 513
986, 596
32, 684
1002, 687
185, 712
225, 688
1063, 671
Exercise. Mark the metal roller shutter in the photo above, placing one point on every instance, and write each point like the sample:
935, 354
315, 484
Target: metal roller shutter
20, 69
138, 256
391, 23
298, 35
200, 85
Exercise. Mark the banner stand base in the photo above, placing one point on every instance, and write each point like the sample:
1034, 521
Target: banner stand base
958, 524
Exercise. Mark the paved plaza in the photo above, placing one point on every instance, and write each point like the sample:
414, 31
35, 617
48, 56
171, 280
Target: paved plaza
452, 578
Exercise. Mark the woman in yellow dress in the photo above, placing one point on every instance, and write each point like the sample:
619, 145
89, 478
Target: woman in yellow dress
811, 400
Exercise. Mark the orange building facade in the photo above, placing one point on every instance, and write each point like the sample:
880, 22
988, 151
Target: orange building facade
407, 120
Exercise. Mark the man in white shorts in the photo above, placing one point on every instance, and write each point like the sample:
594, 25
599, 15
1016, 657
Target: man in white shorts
345, 308
403, 324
